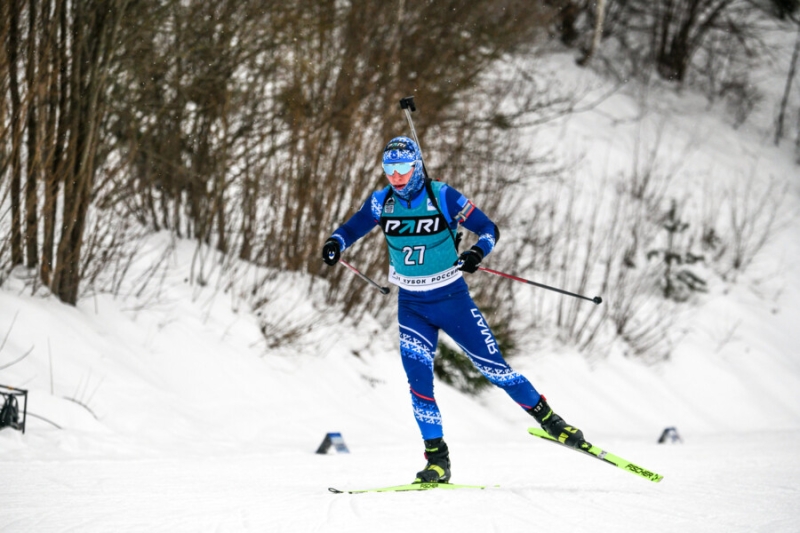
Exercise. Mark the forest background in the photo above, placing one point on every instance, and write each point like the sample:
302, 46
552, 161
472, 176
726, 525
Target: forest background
254, 128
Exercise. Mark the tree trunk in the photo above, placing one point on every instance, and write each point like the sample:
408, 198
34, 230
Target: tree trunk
600, 14
16, 133
94, 38
34, 159
787, 90
57, 131
66, 264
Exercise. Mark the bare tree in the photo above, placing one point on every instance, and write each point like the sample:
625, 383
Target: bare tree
33, 147
94, 29
54, 57
12, 51
597, 34
787, 89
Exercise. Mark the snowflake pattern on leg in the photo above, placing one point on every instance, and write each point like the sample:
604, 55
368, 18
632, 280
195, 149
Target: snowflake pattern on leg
500, 376
425, 411
413, 348
497, 372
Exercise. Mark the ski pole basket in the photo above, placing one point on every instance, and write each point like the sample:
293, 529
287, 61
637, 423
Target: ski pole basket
9, 407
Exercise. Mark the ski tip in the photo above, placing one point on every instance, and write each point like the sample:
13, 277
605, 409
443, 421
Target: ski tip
603, 455
335, 491
539, 432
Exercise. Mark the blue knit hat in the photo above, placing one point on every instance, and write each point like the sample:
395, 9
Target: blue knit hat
405, 150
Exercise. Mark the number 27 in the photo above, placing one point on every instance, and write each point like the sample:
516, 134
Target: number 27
409, 251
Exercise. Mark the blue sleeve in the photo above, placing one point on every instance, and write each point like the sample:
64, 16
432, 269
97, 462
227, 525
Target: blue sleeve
459, 209
361, 222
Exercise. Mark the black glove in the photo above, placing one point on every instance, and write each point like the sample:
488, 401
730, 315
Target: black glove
331, 252
470, 259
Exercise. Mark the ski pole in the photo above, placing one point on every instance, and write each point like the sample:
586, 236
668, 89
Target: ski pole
597, 300
407, 105
384, 290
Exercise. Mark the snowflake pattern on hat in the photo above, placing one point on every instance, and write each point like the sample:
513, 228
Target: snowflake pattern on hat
401, 150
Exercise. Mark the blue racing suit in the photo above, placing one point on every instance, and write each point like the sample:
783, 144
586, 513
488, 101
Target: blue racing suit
433, 296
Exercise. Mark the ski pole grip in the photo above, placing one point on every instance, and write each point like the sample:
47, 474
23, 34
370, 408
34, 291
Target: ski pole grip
408, 103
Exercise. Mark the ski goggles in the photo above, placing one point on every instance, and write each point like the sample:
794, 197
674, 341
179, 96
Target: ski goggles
400, 168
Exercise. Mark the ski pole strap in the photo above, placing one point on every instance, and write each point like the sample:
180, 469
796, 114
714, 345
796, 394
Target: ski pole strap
597, 300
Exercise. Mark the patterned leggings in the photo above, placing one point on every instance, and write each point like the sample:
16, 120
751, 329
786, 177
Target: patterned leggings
421, 315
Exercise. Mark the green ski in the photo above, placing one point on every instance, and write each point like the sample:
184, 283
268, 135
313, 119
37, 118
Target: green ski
604, 456
410, 487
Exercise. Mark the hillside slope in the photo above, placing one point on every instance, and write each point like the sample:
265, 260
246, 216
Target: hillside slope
174, 415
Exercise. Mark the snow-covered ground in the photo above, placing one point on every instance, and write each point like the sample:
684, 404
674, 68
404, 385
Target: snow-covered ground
174, 416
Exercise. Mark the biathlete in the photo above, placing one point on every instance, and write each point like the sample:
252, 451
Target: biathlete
419, 219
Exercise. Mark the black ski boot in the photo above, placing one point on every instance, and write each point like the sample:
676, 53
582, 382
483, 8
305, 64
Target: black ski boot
556, 427
438, 468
